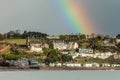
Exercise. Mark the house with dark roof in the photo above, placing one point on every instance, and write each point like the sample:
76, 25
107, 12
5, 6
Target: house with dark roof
36, 45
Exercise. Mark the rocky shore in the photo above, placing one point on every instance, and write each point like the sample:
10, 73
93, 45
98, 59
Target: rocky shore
80, 68
56, 68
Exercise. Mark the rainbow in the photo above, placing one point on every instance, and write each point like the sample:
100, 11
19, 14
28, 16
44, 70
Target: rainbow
74, 17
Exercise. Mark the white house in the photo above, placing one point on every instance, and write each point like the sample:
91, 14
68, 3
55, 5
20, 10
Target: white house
115, 65
75, 45
77, 65
59, 64
95, 65
36, 45
52, 64
53, 37
36, 49
73, 54
103, 55
84, 51
86, 55
72, 64
106, 65
116, 56
88, 65
55, 64
62, 45
117, 41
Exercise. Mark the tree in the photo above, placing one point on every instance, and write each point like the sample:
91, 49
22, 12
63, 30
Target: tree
53, 56
14, 34
1, 37
118, 36
94, 43
118, 47
82, 36
106, 37
99, 37
24, 35
36, 34
66, 58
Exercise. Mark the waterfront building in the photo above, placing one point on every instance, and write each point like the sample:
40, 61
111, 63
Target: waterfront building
72, 64
106, 65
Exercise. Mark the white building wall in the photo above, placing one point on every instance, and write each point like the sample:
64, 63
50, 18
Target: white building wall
36, 49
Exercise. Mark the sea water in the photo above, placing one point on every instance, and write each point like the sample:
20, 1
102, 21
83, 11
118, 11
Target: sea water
60, 75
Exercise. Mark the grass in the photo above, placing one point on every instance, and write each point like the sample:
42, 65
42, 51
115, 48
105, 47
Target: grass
17, 41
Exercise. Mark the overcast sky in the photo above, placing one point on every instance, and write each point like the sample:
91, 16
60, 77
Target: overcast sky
40, 15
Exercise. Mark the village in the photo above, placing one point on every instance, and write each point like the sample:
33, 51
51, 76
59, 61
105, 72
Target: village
61, 52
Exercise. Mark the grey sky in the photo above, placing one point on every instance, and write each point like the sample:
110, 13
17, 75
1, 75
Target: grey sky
40, 15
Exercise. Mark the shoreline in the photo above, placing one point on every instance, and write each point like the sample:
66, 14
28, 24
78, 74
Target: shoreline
59, 69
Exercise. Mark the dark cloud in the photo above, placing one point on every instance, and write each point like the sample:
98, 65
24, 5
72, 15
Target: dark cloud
40, 15
106, 14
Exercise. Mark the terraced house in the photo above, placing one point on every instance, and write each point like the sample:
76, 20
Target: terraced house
62, 45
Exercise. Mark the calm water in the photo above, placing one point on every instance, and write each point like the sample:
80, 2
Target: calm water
60, 75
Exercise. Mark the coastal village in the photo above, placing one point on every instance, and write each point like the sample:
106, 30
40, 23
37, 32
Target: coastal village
74, 51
